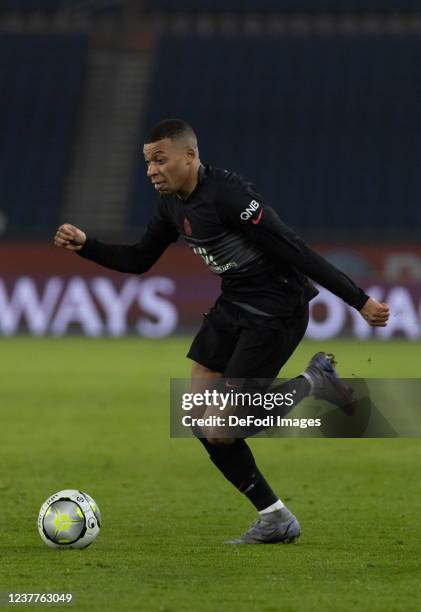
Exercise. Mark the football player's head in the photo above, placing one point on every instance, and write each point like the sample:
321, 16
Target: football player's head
172, 156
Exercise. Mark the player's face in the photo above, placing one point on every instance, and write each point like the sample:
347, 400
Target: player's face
168, 163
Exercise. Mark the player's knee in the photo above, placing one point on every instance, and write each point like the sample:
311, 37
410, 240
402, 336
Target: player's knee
203, 378
200, 371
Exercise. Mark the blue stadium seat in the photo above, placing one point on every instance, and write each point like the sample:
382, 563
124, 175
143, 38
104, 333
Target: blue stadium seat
51, 6
327, 127
40, 79
257, 6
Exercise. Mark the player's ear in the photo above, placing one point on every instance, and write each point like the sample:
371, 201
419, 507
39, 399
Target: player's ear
190, 155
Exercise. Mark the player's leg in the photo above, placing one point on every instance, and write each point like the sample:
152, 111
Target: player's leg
225, 344
233, 457
252, 348
211, 352
263, 348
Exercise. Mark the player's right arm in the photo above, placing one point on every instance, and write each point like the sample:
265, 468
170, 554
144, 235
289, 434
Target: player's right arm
241, 207
135, 259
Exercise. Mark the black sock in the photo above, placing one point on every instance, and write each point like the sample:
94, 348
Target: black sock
237, 464
299, 386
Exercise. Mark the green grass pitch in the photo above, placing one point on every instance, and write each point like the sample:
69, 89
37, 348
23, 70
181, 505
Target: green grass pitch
93, 414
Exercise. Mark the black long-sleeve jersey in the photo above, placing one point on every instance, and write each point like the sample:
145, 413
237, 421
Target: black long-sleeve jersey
263, 264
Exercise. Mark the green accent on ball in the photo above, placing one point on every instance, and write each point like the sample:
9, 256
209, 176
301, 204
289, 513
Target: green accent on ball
63, 522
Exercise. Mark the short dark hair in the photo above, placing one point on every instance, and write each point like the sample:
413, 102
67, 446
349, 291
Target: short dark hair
169, 128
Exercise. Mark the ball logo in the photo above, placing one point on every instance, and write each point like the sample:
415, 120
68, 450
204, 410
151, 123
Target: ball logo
250, 210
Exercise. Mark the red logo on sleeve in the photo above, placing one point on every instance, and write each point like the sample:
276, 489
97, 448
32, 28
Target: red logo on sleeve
256, 221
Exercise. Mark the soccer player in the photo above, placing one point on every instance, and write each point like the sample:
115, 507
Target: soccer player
262, 312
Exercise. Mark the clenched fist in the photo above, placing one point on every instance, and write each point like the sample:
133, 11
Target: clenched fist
69, 237
375, 313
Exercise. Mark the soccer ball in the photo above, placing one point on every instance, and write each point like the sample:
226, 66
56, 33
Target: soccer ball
69, 519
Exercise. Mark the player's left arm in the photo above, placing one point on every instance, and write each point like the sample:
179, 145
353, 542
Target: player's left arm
245, 210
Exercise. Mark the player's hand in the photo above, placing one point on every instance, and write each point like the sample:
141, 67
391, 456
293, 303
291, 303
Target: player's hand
375, 313
69, 237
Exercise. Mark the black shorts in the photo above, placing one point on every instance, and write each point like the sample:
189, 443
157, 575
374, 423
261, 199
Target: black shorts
239, 344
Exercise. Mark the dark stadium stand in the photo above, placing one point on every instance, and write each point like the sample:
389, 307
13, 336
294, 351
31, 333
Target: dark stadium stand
51, 6
40, 81
279, 6
327, 127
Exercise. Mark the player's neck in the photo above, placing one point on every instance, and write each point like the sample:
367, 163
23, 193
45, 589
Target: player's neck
191, 183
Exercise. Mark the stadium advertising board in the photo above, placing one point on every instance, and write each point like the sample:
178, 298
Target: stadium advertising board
44, 291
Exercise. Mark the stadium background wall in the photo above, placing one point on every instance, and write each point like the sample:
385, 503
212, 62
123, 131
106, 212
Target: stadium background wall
49, 292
